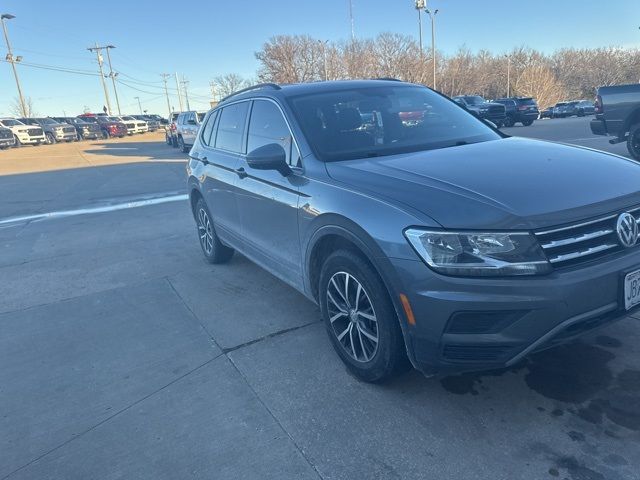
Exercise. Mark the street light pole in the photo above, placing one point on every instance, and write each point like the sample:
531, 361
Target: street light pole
420, 5
179, 95
113, 77
353, 32
97, 49
508, 76
12, 61
432, 16
139, 104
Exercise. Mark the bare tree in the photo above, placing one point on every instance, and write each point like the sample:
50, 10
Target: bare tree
15, 108
229, 83
538, 81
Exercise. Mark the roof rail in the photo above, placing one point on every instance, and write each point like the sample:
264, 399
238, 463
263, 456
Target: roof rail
273, 86
388, 79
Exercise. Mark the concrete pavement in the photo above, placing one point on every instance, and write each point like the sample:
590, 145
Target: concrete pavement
124, 355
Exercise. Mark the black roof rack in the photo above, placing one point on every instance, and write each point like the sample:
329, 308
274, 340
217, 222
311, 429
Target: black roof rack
273, 86
389, 79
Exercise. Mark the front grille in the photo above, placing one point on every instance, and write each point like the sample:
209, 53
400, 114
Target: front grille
130, 125
6, 133
582, 242
141, 124
35, 132
69, 129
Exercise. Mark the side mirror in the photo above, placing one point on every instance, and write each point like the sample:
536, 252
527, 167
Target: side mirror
269, 157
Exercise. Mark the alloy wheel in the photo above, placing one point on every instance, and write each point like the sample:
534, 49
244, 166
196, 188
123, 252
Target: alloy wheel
352, 317
205, 231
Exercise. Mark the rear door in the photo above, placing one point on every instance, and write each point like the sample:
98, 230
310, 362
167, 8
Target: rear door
267, 200
219, 148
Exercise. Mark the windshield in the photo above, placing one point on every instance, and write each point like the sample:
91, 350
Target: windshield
112, 119
474, 100
11, 122
46, 121
128, 118
527, 101
371, 122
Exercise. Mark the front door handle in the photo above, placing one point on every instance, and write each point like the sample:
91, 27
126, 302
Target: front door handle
241, 172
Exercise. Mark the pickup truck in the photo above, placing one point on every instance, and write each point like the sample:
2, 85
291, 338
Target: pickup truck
617, 111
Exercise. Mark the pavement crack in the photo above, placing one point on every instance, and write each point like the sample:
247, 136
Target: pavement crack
119, 412
270, 335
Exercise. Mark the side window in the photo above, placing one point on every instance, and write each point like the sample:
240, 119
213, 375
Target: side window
208, 128
231, 127
180, 118
267, 125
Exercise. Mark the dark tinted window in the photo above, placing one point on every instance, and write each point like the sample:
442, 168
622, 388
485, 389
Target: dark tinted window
377, 121
200, 117
231, 127
267, 125
208, 128
526, 101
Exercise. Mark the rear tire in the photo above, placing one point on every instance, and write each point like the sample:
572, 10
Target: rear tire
359, 317
633, 141
105, 134
168, 140
508, 122
212, 248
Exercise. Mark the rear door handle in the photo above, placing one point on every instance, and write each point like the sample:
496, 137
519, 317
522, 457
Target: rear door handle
241, 172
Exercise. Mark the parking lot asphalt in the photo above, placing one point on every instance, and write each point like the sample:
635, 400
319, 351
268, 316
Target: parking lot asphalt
124, 355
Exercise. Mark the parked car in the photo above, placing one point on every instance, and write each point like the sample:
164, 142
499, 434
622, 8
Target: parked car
585, 107
109, 126
187, 125
24, 134
170, 130
84, 130
477, 105
562, 110
130, 123
161, 120
54, 131
152, 124
617, 110
519, 110
6, 138
547, 112
444, 241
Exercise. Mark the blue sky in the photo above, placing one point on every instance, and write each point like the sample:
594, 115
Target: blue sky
202, 39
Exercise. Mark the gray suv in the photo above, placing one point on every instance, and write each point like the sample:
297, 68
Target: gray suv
54, 131
421, 231
187, 125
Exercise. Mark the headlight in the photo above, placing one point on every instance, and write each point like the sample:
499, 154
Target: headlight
479, 254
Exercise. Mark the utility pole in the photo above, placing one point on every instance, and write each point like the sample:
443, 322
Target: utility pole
12, 61
97, 49
508, 77
420, 5
212, 84
353, 32
323, 44
432, 15
166, 92
179, 95
113, 77
139, 104
185, 84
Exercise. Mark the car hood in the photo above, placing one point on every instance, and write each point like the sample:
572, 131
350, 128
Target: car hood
511, 183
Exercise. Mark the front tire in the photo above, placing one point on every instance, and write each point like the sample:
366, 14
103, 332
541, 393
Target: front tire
633, 141
183, 148
527, 123
213, 249
508, 122
359, 317
50, 138
17, 143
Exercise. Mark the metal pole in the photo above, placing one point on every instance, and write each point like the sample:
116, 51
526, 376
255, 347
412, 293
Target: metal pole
508, 77
139, 104
113, 77
6, 16
179, 95
104, 85
353, 34
166, 92
432, 16
420, 32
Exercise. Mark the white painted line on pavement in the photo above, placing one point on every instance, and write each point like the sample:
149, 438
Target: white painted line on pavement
85, 211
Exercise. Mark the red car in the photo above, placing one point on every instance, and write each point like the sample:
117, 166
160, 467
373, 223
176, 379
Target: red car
110, 126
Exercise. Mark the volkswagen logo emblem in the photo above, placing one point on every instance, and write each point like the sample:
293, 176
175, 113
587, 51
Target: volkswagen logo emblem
627, 229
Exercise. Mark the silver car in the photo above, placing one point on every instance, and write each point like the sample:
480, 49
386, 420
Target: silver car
187, 125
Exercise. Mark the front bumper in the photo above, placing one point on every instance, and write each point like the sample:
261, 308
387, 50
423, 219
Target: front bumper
7, 142
64, 136
467, 324
28, 139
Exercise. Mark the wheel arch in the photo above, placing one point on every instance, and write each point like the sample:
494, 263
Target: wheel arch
632, 119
